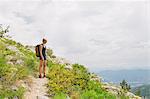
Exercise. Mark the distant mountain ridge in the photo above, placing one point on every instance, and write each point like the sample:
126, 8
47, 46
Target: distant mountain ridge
136, 76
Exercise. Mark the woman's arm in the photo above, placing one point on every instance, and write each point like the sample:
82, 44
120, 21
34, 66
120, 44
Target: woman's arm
41, 47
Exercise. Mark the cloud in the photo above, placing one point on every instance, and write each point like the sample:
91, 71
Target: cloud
100, 34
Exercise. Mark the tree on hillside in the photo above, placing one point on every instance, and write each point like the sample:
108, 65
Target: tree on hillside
3, 31
138, 92
125, 86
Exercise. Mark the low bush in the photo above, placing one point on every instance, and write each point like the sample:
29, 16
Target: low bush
11, 94
60, 96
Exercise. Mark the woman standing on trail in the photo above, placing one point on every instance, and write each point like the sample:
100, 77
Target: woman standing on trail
43, 60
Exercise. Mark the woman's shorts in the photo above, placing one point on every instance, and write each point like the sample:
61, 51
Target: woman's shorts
43, 57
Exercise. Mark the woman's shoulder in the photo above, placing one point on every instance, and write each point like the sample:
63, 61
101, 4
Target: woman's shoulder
41, 45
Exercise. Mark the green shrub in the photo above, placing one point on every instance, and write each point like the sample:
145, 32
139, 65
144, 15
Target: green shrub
19, 45
31, 65
95, 91
2, 60
123, 97
89, 94
49, 64
21, 73
60, 79
8, 52
81, 76
92, 94
10, 75
9, 41
2, 46
60, 96
11, 94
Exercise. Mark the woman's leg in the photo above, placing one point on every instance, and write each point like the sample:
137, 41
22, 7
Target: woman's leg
40, 68
44, 68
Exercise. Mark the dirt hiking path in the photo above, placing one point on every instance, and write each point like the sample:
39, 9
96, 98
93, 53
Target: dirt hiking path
38, 89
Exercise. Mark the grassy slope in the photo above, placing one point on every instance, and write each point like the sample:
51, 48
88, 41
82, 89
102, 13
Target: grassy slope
11, 71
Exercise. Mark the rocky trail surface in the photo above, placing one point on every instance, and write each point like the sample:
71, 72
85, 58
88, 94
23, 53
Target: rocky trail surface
38, 89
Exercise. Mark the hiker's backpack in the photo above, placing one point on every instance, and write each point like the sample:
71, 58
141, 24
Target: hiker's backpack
37, 50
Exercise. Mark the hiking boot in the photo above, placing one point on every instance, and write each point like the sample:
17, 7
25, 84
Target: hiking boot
44, 76
40, 76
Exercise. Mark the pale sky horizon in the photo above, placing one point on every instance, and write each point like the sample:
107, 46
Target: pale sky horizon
102, 35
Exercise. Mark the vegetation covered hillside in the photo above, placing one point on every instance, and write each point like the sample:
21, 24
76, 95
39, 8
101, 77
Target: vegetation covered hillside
16, 63
65, 80
143, 91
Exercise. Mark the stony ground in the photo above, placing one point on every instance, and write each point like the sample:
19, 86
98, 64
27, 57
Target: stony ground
38, 89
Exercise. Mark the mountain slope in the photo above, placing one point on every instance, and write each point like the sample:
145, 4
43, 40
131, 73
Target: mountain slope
143, 91
19, 64
16, 64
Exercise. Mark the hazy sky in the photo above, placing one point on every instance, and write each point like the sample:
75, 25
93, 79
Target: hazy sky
101, 34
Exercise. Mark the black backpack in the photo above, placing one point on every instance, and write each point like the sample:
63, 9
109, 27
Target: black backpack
37, 50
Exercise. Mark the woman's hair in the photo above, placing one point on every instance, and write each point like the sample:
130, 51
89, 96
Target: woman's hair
44, 40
